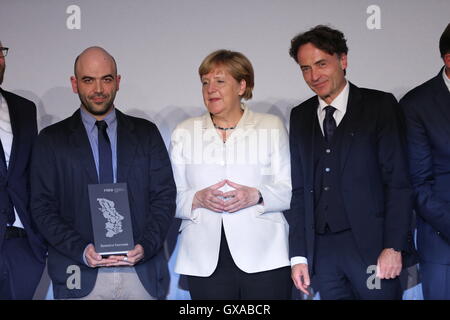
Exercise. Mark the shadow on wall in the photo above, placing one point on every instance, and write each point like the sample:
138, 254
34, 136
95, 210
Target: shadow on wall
43, 289
399, 92
55, 105
59, 103
167, 118
280, 108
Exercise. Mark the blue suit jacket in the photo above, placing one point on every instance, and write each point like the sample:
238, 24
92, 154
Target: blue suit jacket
63, 166
427, 112
22, 114
374, 184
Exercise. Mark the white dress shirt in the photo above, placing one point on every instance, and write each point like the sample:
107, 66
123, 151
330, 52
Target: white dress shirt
6, 137
340, 103
446, 79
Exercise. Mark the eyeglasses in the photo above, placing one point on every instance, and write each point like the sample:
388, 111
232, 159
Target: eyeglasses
3, 51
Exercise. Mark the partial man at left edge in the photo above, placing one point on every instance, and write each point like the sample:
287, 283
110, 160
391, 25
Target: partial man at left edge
22, 250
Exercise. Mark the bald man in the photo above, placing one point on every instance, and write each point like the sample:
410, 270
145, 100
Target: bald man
66, 159
22, 250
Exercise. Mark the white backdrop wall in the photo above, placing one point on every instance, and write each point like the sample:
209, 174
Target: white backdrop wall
159, 44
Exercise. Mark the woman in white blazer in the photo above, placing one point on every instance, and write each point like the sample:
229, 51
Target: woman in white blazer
232, 170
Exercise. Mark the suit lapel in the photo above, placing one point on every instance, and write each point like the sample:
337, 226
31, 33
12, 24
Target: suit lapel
81, 146
442, 97
127, 142
350, 122
308, 127
14, 117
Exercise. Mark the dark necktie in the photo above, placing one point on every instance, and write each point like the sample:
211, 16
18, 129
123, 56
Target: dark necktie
329, 124
104, 154
6, 206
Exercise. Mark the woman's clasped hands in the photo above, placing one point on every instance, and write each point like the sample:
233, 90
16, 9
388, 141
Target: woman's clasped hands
231, 201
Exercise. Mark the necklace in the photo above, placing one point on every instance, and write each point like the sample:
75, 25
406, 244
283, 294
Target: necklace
223, 129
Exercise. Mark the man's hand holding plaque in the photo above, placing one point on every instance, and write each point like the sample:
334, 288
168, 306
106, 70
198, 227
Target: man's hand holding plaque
132, 257
94, 259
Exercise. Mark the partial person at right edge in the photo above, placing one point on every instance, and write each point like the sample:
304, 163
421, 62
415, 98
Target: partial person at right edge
427, 111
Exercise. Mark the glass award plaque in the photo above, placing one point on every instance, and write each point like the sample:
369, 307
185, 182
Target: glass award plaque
111, 220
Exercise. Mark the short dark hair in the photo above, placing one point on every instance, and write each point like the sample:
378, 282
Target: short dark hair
323, 37
444, 42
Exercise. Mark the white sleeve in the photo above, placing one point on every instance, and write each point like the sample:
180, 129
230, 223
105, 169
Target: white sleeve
277, 194
297, 260
185, 195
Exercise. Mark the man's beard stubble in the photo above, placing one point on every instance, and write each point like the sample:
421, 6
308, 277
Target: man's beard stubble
108, 105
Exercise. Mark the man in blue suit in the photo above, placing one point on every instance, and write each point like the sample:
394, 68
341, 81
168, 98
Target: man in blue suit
70, 155
351, 198
427, 112
22, 251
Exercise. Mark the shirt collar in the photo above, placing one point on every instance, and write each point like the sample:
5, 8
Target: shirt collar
340, 102
89, 120
446, 79
3, 103
208, 124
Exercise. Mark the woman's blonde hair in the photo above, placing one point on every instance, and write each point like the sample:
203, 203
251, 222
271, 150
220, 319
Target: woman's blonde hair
237, 64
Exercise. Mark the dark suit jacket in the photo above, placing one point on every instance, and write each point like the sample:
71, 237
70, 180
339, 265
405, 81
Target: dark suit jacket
63, 166
427, 112
22, 114
373, 183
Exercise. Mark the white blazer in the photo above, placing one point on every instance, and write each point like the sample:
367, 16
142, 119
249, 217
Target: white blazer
256, 154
